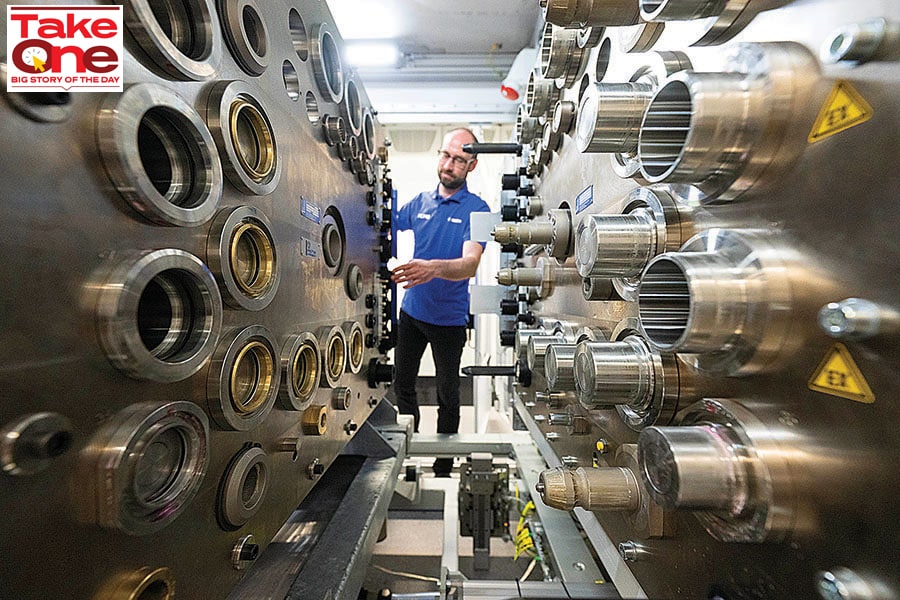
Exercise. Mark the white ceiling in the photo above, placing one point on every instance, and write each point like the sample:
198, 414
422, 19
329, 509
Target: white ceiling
455, 54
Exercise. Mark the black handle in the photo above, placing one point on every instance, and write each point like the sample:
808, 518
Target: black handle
507, 148
491, 371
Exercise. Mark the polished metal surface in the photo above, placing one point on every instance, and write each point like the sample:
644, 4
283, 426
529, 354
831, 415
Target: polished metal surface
783, 379
146, 232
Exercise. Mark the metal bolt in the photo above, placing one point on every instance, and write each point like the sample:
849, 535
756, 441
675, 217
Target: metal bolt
350, 427
569, 461
857, 42
852, 319
539, 418
539, 487
553, 436
315, 469
630, 551
245, 551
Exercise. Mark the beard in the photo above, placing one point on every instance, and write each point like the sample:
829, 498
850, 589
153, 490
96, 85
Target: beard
449, 181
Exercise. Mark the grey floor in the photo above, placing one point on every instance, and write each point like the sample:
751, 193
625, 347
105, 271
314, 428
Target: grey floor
414, 540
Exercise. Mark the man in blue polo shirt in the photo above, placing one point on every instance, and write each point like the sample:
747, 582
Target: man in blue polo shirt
436, 304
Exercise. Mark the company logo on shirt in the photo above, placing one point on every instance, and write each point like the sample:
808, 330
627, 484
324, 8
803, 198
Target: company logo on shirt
453, 220
425, 216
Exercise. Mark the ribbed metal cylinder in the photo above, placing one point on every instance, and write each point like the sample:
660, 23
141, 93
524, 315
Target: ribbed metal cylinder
520, 276
616, 245
614, 372
606, 489
692, 302
679, 10
609, 117
533, 232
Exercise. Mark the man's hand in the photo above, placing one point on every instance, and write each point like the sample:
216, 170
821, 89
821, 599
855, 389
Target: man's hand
415, 272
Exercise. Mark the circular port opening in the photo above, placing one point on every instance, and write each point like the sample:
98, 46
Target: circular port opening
332, 246
331, 65
252, 377
299, 38
546, 47
664, 302
312, 108
158, 590
291, 80
254, 30
184, 23
335, 357
251, 490
172, 158
667, 123
305, 371
253, 139
603, 54
158, 470
357, 348
353, 107
368, 133
172, 316
252, 259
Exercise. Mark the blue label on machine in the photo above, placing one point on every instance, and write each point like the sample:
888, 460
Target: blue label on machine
584, 199
311, 211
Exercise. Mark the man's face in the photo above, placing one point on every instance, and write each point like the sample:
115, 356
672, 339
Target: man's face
454, 164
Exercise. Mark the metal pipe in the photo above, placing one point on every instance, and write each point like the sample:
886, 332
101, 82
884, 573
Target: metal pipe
614, 372
609, 117
616, 245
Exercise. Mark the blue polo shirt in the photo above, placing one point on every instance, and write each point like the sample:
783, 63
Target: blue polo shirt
441, 225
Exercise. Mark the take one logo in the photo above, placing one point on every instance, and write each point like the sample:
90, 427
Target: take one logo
64, 48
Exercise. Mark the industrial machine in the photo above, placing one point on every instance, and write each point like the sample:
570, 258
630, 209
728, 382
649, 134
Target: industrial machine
194, 314
700, 249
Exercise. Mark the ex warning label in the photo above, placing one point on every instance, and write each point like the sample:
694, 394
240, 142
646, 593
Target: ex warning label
838, 375
843, 109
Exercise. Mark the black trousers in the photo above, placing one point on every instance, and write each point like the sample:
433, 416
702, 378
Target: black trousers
447, 344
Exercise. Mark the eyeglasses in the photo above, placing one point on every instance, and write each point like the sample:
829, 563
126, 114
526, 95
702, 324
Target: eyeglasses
458, 161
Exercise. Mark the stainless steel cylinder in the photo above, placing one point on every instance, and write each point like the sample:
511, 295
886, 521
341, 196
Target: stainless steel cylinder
159, 315
352, 107
160, 155
522, 336
609, 116
564, 116
334, 130
616, 245
537, 349
559, 367
246, 35
30, 443
181, 38
245, 486
328, 69
558, 44
608, 373
699, 468
592, 13
600, 489
527, 127
724, 132
680, 10
693, 302
143, 466
540, 95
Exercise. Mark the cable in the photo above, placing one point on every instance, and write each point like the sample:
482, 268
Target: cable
529, 569
407, 575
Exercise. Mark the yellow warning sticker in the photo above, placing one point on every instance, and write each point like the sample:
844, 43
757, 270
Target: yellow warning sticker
843, 109
838, 375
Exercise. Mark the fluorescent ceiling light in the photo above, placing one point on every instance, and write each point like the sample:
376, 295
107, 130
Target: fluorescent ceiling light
363, 20
372, 54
